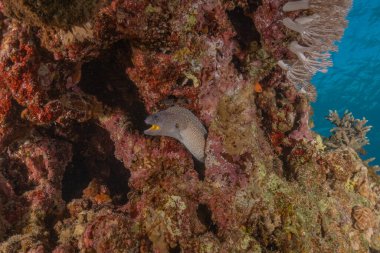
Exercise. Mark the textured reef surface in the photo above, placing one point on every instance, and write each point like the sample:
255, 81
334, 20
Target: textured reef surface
77, 174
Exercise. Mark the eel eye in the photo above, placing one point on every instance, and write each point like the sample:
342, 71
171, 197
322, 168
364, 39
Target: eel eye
176, 125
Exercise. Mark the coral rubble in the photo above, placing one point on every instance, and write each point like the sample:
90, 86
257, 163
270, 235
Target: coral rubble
77, 174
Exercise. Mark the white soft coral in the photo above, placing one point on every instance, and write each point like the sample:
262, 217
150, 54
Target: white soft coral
317, 35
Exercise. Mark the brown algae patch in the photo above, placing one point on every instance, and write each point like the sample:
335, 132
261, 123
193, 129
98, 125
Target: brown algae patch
56, 13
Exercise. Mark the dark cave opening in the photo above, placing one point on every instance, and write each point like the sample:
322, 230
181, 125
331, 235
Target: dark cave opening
53, 237
117, 182
253, 5
244, 27
106, 79
205, 216
176, 249
237, 63
75, 179
272, 247
200, 168
94, 159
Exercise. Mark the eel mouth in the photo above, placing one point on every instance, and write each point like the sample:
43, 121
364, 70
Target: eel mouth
154, 128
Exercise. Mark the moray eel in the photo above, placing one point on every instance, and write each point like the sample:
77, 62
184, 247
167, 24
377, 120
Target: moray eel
181, 124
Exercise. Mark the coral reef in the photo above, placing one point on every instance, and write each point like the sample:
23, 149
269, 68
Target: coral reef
77, 173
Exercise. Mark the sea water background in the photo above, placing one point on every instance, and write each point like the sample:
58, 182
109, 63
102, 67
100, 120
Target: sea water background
353, 83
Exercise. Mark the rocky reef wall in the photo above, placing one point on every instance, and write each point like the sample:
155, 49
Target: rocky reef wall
77, 174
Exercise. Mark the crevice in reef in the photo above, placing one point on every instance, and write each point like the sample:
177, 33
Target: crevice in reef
272, 247
53, 237
205, 216
211, 25
105, 78
94, 159
17, 174
244, 27
176, 249
117, 182
266, 240
253, 5
200, 169
287, 169
76, 177
237, 63
172, 100
185, 81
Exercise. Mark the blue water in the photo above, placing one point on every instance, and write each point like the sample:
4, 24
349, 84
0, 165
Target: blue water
353, 83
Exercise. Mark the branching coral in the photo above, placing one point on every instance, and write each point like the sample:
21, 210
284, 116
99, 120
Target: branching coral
348, 131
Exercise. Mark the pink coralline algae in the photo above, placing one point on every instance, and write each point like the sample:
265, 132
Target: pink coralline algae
30, 77
31, 182
77, 174
155, 76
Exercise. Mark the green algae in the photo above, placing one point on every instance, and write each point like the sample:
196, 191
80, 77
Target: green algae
152, 9
193, 78
191, 21
259, 54
239, 133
